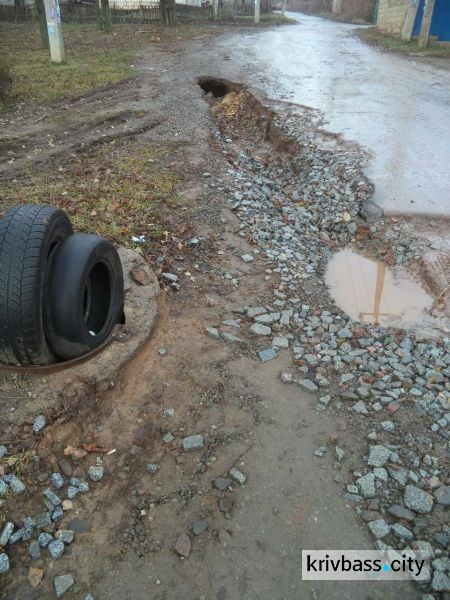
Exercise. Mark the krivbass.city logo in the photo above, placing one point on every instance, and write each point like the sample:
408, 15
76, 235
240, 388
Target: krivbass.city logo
363, 565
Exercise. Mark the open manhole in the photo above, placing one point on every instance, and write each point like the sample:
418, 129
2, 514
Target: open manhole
217, 86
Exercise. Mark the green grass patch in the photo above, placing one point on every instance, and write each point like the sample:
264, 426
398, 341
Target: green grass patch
114, 192
93, 58
266, 20
393, 44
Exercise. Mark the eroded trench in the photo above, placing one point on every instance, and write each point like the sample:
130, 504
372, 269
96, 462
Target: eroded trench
366, 288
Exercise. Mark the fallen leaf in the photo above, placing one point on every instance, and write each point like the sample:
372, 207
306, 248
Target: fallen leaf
94, 448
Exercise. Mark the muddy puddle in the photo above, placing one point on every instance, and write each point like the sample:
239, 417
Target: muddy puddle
368, 291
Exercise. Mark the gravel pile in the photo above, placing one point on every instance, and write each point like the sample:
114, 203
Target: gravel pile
296, 212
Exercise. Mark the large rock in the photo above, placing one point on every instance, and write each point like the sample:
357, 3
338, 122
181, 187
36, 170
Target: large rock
62, 583
417, 499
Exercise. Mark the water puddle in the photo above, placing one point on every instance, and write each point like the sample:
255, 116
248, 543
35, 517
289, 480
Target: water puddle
370, 293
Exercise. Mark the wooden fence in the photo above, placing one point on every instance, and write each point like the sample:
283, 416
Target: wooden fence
87, 13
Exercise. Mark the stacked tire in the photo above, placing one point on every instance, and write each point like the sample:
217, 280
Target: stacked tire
61, 293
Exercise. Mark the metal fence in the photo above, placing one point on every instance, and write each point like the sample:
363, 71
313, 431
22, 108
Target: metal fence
87, 13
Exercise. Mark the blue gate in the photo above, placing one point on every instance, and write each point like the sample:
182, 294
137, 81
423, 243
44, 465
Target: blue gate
440, 23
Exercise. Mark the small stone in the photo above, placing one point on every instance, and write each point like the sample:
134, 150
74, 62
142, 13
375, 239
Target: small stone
225, 504
169, 413
417, 499
89, 597
192, 442
268, 354
183, 546
72, 491
57, 514
140, 276
39, 424
344, 333
442, 495
168, 437
222, 483
339, 453
280, 342
67, 505
237, 475
213, 332
3, 451
4, 563
65, 535
4, 489
162, 351
35, 575
15, 484
44, 539
34, 550
308, 385
360, 408
52, 497
6, 533
388, 426
231, 339
95, 473
198, 527
402, 532
247, 258
379, 528
366, 485
399, 474
152, 468
440, 582
378, 456
17, 536
57, 480
62, 583
320, 451
258, 329
423, 549
286, 377
400, 512
170, 277
56, 548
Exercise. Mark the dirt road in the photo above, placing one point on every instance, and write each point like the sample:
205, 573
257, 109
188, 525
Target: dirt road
396, 107
261, 250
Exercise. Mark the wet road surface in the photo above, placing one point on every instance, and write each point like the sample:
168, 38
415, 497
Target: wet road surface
396, 107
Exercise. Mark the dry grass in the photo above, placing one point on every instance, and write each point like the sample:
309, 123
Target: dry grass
116, 192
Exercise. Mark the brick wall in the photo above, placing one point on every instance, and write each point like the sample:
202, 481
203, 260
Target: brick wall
353, 10
391, 15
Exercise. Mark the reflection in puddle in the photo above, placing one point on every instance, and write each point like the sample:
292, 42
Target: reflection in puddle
368, 291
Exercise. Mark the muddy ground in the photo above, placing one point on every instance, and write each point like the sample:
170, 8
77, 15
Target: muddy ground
127, 526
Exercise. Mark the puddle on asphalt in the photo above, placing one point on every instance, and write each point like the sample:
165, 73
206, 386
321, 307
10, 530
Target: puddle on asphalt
369, 292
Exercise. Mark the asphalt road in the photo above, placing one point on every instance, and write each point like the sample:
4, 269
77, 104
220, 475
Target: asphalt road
396, 107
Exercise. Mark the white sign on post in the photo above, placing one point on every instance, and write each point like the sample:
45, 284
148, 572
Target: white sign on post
53, 16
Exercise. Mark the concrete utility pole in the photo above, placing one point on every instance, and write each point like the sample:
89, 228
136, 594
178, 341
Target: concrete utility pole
257, 11
215, 9
53, 16
426, 23
408, 25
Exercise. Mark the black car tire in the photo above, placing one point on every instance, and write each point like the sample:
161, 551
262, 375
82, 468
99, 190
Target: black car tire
86, 295
29, 237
